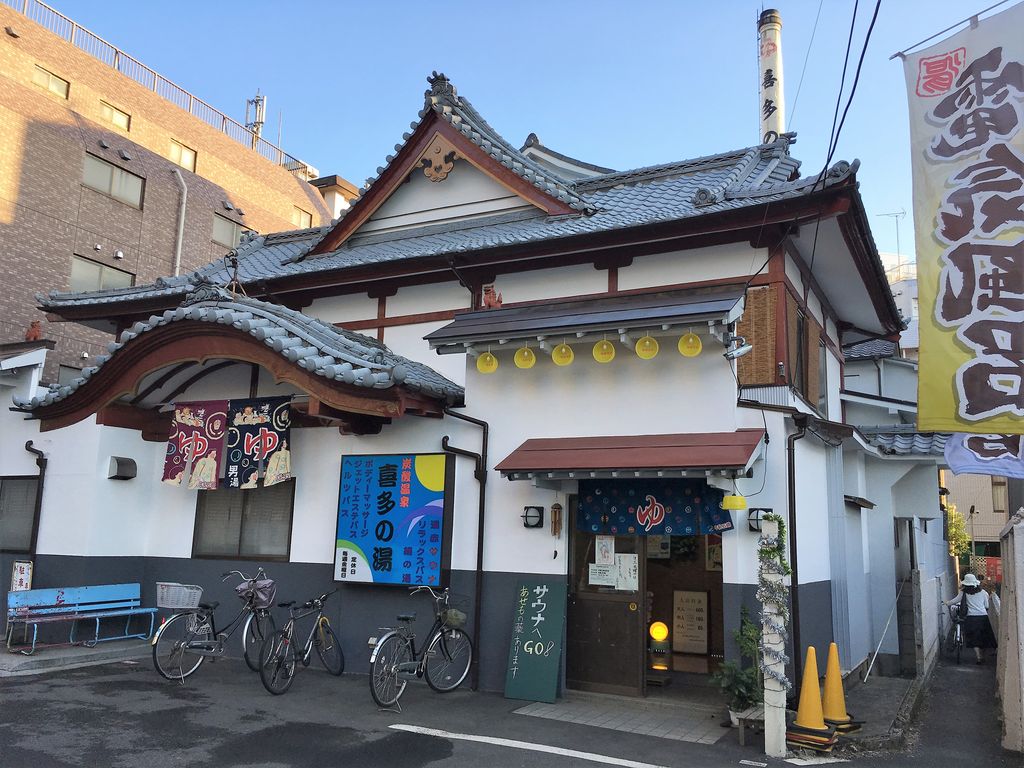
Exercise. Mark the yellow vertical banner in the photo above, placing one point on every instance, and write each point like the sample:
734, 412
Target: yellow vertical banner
966, 103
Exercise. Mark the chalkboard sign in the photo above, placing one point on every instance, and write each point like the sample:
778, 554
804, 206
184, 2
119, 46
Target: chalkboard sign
538, 620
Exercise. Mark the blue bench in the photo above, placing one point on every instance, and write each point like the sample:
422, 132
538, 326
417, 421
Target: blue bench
33, 607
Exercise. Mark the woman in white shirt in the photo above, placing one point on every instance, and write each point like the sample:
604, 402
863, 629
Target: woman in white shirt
977, 630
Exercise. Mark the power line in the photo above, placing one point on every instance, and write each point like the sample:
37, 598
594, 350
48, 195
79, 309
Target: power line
807, 57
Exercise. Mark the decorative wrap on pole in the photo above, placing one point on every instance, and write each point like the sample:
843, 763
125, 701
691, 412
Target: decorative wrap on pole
774, 596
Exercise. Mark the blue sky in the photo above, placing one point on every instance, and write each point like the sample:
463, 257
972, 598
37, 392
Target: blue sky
621, 85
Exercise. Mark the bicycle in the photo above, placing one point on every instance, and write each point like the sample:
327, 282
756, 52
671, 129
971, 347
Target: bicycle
956, 631
444, 660
186, 639
277, 656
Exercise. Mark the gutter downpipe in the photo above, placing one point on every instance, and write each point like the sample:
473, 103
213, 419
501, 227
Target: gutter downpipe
181, 221
800, 420
481, 476
41, 462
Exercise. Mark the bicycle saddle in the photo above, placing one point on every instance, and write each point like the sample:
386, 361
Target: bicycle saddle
407, 616
289, 604
209, 606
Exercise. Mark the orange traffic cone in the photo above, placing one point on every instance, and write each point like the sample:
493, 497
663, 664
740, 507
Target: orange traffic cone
834, 701
809, 730
809, 713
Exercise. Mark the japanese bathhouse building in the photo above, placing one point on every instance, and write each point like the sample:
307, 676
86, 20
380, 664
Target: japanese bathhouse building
565, 368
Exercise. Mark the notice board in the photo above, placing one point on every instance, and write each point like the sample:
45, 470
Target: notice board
538, 622
690, 622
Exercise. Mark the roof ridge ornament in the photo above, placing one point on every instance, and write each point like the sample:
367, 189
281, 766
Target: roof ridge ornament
441, 89
204, 290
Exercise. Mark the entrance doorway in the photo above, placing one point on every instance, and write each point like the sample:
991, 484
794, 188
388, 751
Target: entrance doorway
619, 585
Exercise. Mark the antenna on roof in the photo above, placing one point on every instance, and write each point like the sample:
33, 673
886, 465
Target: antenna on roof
255, 115
896, 216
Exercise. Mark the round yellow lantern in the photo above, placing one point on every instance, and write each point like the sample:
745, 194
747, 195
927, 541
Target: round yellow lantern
690, 345
659, 631
487, 363
525, 358
647, 348
562, 355
604, 351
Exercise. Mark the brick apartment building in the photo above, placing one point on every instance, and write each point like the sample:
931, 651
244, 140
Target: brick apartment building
99, 154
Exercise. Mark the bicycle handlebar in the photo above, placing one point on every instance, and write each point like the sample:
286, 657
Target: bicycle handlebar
259, 572
442, 596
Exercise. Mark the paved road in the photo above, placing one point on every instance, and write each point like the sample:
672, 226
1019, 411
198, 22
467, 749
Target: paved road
125, 715
957, 723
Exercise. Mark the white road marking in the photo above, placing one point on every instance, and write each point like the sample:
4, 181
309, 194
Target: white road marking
816, 760
591, 756
751, 762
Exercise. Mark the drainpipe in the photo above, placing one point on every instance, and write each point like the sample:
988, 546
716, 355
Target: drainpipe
181, 220
41, 463
481, 476
800, 420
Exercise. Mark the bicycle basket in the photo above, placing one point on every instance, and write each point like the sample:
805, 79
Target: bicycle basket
170, 594
262, 592
453, 617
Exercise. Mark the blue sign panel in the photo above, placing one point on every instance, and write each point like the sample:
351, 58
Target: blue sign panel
393, 512
666, 507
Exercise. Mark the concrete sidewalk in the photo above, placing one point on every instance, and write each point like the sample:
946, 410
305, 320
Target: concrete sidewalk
64, 657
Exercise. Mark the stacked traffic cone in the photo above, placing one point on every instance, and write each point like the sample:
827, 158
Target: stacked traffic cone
834, 701
809, 730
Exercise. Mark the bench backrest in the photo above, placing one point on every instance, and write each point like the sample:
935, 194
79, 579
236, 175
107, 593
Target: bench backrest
103, 597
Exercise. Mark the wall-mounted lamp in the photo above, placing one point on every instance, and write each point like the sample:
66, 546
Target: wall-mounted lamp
533, 517
754, 517
121, 468
118, 254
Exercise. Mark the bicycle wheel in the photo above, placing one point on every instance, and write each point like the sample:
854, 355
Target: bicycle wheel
958, 640
385, 684
277, 662
447, 661
174, 653
258, 627
329, 649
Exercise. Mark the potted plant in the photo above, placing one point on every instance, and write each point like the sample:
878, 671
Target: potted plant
741, 681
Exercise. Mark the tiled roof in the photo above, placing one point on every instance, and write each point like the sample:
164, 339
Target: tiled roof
611, 201
873, 349
904, 440
325, 350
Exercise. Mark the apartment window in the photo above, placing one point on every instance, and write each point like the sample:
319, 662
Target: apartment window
822, 379
115, 116
44, 78
66, 374
183, 156
18, 521
1000, 498
227, 232
800, 353
110, 180
249, 524
301, 219
90, 276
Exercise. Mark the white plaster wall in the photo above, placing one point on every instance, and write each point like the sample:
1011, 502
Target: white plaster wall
407, 340
812, 510
899, 380
577, 280
916, 494
793, 272
438, 297
343, 309
861, 376
732, 260
466, 192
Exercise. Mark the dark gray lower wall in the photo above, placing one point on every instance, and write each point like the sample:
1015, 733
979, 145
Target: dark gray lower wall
815, 617
356, 612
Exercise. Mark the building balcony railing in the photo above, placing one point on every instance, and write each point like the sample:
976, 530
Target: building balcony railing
905, 271
100, 49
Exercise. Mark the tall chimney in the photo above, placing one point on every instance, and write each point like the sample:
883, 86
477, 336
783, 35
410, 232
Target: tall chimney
771, 105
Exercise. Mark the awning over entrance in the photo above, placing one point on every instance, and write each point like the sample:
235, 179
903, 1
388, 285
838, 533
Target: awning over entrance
636, 315
624, 456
